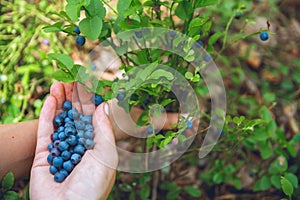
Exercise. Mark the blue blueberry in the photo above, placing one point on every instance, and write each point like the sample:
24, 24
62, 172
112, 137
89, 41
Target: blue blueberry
120, 96
52, 169
89, 127
58, 162
207, 58
54, 136
172, 33
59, 177
93, 67
149, 130
238, 15
63, 145
60, 129
87, 119
75, 158
66, 155
62, 136
70, 130
89, 134
73, 113
50, 159
264, 36
68, 166
64, 172
68, 120
81, 141
58, 121
200, 43
89, 144
189, 124
76, 30
80, 40
138, 34
56, 143
80, 125
72, 140
55, 152
80, 133
97, 99
79, 149
67, 105
50, 147
62, 115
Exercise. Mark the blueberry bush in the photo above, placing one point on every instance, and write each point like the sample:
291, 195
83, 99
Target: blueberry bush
256, 156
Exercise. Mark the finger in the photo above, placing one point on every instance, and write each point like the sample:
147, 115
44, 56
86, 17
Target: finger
58, 92
45, 128
68, 87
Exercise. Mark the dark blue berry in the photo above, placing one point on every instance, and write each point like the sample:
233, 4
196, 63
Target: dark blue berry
68, 166
89, 135
54, 136
189, 124
80, 133
238, 15
89, 144
62, 136
93, 67
76, 30
59, 177
172, 33
87, 119
52, 169
97, 99
80, 125
89, 127
200, 43
72, 140
58, 121
120, 96
207, 58
64, 172
75, 158
62, 115
264, 36
79, 149
50, 147
67, 105
149, 130
68, 120
81, 141
70, 130
50, 159
80, 40
138, 34
55, 152
66, 155
60, 129
56, 143
63, 145
58, 162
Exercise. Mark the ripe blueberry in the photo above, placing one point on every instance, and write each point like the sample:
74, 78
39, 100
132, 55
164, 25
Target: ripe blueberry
172, 33
89, 144
63, 145
54, 136
50, 159
72, 140
55, 152
67, 105
89, 135
207, 58
149, 130
75, 158
58, 121
89, 127
76, 30
80, 125
66, 155
64, 172
87, 119
52, 169
62, 136
50, 147
189, 124
80, 40
59, 177
120, 96
264, 36
238, 15
58, 162
70, 130
68, 166
60, 129
97, 99
139, 34
62, 115
79, 149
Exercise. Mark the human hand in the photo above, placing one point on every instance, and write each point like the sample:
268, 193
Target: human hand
94, 176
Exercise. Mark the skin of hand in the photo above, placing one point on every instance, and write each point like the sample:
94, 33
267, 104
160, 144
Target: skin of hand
94, 176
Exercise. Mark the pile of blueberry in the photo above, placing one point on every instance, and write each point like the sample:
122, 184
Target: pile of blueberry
73, 135
80, 40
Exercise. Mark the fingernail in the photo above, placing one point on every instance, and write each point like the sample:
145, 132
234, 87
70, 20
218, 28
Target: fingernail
106, 109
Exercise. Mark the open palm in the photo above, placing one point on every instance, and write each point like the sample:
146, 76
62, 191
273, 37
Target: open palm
94, 176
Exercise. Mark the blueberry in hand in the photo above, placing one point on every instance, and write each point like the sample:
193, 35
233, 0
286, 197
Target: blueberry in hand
68, 166
80, 40
58, 162
59, 177
97, 99
50, 159
52, 169
67, 105
79, 149
63, 145
264, 36
76, 30
75, 158
66, 155
89, 144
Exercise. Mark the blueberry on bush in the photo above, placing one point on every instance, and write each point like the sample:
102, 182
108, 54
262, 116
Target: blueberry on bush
80, 40
73, 135
264, 36
139, 34
97, 99
76, 30
120, 96
238, 15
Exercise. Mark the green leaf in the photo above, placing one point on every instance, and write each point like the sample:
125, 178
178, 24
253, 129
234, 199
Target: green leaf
218, 178
203, 3
8, 181
184, 10
143, 74
214, 38
73, 10
266, 150
287, 186
193, 191
96, 8
292, 178
275, 181
160, 73
10, 195
91, 27
123, 6
65, 62
265, 183
61, 75
265, 114
56, 27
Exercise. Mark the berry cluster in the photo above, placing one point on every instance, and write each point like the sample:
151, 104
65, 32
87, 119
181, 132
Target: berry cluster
80, 40
74, 135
